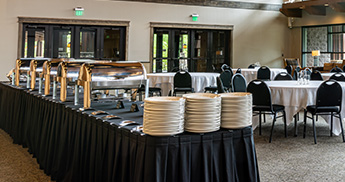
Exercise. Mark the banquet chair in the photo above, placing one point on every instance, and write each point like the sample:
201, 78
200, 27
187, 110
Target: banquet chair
336, 69
293, 62
225, 67
211, 89
262, 104
226, 77
239, 71
308, 71
152, 91
288, 69
239, 83
283, 76
316, 75
328, 102
264, 73
182, 82
338, 77
252, 66
295, 71
220, 87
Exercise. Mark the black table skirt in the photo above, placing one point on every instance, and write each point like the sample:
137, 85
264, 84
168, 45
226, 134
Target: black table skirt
74, 146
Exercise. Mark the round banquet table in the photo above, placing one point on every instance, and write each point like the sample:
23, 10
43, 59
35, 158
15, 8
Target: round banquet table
297, 97
251, 73
326, 76
165, 81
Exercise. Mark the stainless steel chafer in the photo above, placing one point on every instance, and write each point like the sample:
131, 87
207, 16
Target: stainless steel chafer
26, 68
49, 72
67, 74
111, 75
36, 71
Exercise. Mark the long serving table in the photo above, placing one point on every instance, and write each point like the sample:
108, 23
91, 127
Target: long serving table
165, 81
71, 145
297, 97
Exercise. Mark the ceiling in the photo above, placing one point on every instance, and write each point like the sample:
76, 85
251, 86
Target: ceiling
312, 7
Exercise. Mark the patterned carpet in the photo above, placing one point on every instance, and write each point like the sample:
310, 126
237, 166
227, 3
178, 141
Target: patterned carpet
298, 158
16, 164
285, 159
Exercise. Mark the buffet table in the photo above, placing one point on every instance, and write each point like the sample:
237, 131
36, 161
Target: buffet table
296, 97
71, 145
166, 81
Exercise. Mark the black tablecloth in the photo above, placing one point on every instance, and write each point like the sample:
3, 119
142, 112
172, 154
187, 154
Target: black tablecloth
71, 145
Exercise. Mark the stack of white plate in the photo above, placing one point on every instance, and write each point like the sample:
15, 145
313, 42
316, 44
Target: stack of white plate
236, 110
163, 116
202, 112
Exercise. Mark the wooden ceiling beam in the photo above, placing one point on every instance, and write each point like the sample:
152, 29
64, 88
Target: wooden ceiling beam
316, 10
313, 7
292, 12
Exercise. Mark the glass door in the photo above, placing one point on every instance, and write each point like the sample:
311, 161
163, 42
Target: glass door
160, 51
113, 44
34, 41
199, 53
87, 42
180, 51
218, 53
62, 42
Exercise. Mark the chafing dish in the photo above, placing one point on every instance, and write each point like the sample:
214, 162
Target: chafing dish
111, 75
50, 71
26, 68
36, 69
67, 74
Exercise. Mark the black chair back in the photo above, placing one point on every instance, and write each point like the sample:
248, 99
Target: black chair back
225, 67
239, 71
239, 83
338, 77
283, 76
289, 69
329, 93
260, 92
336, 69
264, 73
316, 75
343, 67
220, 87
308, 71
226, 77
297, 69
182, 80
251, 66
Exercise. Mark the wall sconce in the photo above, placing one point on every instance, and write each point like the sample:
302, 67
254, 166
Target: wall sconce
316, 54
195, 16
79, 11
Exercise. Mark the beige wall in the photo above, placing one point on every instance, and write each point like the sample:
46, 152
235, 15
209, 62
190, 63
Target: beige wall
258, 35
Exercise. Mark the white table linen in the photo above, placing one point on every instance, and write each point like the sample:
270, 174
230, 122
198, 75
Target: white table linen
165, 81
326, 76
251, 73
296, 98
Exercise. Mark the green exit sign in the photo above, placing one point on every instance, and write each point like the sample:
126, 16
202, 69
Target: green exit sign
79, 11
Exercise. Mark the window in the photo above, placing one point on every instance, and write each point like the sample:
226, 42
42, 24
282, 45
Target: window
330, 40
73, 41
197, 50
